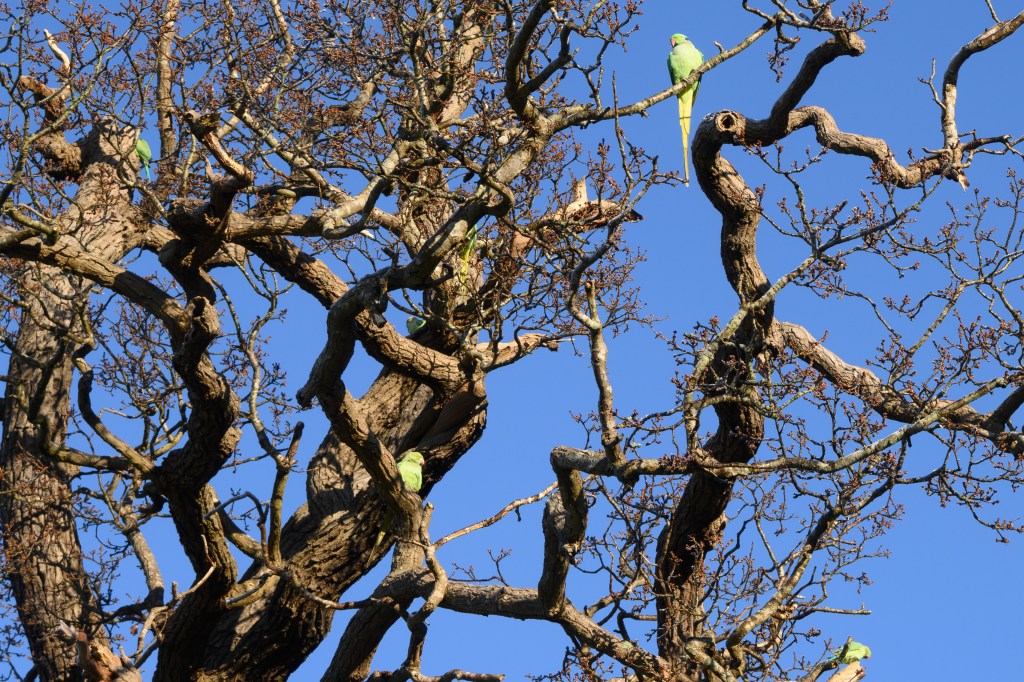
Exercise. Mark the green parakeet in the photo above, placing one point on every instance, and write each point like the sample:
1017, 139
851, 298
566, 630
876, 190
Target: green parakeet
410, 468
467, 249
854, 652
413, 324
144, 154
682, 60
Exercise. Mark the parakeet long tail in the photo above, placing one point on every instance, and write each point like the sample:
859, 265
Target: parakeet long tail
684, 125
385, 527
467, 251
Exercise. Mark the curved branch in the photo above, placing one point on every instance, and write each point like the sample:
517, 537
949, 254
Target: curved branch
990, 37
891, 404
382, 343
516, 92
68, 256
64, 157
564, 525
140, 463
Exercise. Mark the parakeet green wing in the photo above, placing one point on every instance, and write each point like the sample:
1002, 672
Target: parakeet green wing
682, 61
467, 249
145, 155
410, 468
854, 651
413, 324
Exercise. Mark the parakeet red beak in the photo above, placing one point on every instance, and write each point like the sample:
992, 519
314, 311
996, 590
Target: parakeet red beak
672, 42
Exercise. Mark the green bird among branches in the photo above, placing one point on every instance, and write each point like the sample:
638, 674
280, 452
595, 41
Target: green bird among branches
145, 155
851, 651
468, 246
410, 468
682, 61
413, 324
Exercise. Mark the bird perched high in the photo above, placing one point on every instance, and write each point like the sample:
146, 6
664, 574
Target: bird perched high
468, 246
410, 468
852, 651
413, 324
144, 154
682, 61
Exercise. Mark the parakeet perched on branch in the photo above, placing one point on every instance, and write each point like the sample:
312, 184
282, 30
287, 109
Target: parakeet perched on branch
468, 246
410, 468
144, 154
682, 61
851, 651
413, 324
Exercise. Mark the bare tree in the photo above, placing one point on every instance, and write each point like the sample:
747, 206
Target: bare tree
393, 160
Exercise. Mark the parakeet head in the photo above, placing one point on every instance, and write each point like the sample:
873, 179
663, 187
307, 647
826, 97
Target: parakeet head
412, 456
413, 324
867, 652
676, 39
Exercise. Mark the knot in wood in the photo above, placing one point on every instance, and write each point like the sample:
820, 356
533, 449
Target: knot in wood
731, 124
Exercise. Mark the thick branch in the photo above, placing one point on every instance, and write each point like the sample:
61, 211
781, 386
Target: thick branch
892, 404
990, 37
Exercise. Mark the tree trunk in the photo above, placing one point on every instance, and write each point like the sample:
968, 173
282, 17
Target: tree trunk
327, 543
37, 518
40, 538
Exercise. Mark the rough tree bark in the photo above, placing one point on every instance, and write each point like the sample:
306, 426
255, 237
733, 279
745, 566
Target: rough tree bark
36, 513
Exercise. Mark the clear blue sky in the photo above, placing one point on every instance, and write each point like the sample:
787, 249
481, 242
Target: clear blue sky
947, 578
